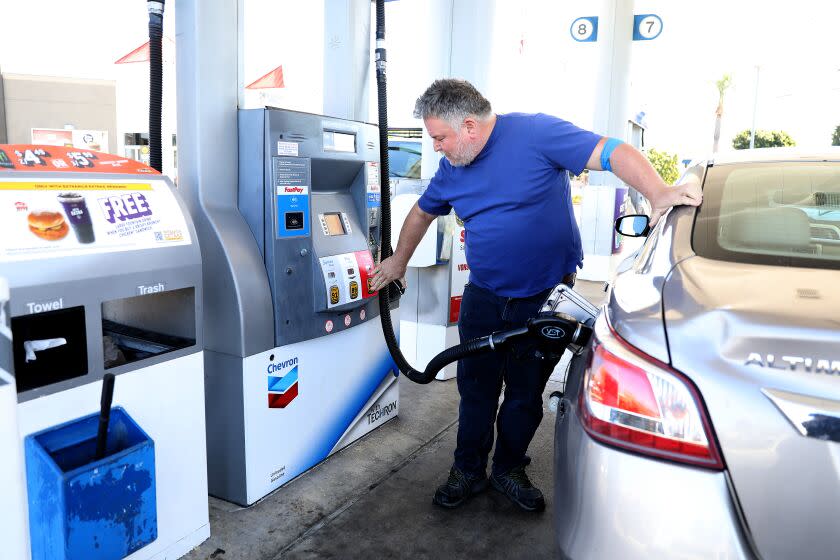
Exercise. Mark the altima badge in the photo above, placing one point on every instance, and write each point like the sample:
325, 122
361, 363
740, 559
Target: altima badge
795, 363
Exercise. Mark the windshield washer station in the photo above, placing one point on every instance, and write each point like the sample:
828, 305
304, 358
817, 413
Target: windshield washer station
104, 271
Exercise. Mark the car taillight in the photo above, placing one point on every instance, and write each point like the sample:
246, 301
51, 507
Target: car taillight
633, 401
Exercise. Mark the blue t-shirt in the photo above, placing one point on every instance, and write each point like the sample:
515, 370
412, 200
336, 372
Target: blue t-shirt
515, 201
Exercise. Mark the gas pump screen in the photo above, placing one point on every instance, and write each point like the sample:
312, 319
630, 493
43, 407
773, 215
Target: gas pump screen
334, 225
339, 141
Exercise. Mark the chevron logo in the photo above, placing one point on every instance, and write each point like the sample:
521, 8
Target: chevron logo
282, 389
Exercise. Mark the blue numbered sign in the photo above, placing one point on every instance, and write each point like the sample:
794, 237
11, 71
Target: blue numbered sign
646, 27
585, 29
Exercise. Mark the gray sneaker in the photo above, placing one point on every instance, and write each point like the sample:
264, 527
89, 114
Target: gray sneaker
459, 486
516, 486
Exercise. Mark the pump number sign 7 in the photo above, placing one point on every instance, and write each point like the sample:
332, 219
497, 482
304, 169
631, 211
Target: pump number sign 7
646, 27
585, 29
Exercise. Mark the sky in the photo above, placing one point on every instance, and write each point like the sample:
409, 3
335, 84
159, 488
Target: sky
793, 43
535, 64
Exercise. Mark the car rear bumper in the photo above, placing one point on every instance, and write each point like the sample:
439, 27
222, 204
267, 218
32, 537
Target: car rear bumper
615, 504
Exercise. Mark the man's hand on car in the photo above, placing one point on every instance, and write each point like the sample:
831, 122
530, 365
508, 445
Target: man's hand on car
688, 194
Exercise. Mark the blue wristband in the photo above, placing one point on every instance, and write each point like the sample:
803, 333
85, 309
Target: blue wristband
610, 145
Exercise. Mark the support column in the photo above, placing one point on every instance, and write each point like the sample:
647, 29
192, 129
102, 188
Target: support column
462, 49
440, 66
347, 59
605, 191
237, 300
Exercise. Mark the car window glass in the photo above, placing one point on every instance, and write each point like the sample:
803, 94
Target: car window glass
785, 214
404, 159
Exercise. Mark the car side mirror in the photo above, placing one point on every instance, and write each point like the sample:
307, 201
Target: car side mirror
633, 225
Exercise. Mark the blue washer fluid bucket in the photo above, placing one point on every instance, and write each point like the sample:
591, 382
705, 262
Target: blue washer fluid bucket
82, 509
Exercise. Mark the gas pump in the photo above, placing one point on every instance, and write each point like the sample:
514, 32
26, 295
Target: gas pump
287, 209
309, 193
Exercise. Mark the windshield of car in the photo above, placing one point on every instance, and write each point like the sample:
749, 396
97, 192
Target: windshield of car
779, 213
404, 159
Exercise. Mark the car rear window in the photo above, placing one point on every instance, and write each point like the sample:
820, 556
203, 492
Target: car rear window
782, 214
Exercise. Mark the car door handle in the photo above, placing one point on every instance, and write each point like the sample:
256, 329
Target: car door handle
811, 416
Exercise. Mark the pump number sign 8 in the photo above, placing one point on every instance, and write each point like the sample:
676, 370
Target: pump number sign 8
585, 29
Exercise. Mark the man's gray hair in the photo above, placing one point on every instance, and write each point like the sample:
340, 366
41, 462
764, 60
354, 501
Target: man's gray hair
453, 101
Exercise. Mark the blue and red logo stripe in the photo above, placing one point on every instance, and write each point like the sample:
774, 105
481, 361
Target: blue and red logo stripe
282, 390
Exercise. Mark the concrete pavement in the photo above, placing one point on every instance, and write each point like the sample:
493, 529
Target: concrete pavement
373, 499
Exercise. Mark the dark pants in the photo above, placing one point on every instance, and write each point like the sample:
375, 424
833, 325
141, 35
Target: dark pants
523, 371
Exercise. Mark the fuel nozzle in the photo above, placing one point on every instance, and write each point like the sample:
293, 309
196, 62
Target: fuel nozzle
557, 330
397, 287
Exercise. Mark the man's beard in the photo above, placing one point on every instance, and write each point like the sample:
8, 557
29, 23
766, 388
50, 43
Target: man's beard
464, 154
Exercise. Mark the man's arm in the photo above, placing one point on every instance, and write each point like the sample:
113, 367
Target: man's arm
393, 268
632, 167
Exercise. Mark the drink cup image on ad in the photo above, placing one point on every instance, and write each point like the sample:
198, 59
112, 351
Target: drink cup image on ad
78, 215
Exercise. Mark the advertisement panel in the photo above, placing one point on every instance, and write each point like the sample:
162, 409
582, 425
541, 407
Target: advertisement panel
45, 158
47, 219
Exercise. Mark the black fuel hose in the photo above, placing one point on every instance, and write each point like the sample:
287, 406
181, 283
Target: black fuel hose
469, 348
385, 292
155, 8
473, 347
385, 228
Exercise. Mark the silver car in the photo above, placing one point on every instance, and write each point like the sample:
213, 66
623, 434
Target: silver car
703, 421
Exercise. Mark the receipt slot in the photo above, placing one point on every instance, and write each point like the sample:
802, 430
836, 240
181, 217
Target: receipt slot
296, 362
104, 271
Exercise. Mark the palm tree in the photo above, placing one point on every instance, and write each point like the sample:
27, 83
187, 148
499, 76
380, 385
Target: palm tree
722, 85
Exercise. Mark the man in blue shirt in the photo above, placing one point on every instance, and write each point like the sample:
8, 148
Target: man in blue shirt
507, 178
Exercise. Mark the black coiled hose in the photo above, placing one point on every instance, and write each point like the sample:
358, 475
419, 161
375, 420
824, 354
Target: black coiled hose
155, 8
469, 348
455, 352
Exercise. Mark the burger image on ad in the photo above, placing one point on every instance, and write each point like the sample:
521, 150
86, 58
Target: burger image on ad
48, 225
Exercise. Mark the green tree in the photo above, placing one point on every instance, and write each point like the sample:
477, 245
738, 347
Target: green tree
763, 139
722, 85
665, 164
835, 138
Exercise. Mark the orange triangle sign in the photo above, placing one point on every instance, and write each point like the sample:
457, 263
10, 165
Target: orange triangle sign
273, 79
